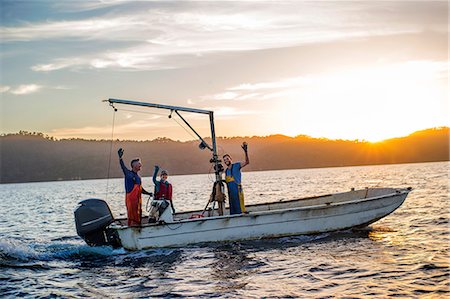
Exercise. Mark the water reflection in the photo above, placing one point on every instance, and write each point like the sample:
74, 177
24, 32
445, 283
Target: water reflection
231, 267
386, 235
126, 274
158, 262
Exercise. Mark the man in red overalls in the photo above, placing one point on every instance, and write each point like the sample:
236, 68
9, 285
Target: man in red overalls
134, 190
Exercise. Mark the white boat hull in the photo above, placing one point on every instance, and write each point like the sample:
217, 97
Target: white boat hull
299, 217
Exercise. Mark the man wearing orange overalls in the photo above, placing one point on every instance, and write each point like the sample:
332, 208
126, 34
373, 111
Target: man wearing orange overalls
134, 190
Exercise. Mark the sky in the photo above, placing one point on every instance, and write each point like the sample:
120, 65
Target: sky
366, 70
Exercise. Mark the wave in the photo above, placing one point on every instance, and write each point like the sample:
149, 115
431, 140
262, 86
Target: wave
15, 253
37, 255
15, 250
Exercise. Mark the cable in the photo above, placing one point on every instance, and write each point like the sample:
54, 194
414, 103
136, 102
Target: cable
162, 114
110, 151
187, 131
210, 172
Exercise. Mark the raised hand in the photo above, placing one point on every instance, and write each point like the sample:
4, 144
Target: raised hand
120, 152
244, 146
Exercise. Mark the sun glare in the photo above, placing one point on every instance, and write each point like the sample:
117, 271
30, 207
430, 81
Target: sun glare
371, 104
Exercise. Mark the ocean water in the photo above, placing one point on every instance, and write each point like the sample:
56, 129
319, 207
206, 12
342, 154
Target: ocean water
405, 255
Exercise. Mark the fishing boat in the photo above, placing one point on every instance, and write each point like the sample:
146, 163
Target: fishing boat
310, 215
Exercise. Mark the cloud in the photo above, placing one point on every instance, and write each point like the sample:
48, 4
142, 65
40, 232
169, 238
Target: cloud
262, 90
61, 87
129, 130
416, 72
137, 59
227, 112
230, 112
285, 83
25, 89
57, 65
77, 6
4, 88
94, 28
170, 36
228, 95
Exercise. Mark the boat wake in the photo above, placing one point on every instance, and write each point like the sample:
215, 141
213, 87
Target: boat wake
35, 255
18, 254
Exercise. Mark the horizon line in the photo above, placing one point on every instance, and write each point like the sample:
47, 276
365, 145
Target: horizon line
47, 136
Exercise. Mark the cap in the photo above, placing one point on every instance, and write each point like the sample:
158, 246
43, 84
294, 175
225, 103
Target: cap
164, 172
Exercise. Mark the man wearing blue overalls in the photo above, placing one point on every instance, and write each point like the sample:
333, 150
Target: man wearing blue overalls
233, 180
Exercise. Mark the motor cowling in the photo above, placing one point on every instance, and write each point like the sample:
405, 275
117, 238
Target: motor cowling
92, 217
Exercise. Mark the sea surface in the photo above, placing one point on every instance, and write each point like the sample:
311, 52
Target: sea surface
405, 255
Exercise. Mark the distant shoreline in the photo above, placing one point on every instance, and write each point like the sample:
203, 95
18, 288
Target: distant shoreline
33, 157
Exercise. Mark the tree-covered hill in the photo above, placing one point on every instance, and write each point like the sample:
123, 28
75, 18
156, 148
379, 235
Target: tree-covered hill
27, 157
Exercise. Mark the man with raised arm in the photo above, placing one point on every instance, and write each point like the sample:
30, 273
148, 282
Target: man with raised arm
233, 180
134, 190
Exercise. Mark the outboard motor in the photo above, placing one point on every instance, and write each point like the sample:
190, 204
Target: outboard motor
92, 217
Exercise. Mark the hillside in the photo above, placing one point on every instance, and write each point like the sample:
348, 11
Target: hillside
28, 157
